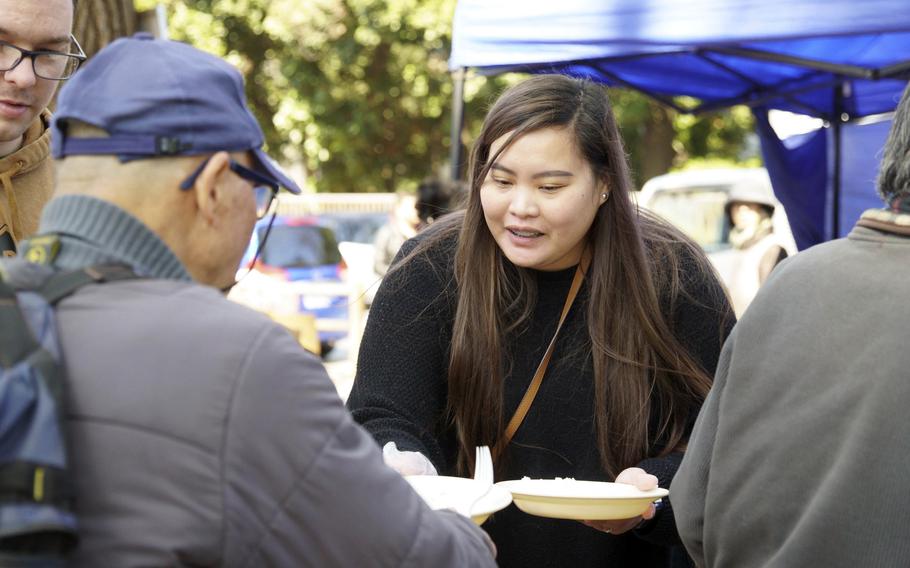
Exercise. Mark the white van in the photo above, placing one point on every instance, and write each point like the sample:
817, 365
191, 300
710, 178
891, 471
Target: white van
696, 200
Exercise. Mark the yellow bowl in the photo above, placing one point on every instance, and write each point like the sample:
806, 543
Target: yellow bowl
580, 500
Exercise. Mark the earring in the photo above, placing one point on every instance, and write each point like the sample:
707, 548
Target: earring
603, 196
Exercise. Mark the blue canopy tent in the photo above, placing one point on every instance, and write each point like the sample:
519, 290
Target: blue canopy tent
839, 60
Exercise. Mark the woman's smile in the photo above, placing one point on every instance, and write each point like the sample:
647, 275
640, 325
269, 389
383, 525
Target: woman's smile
539, 199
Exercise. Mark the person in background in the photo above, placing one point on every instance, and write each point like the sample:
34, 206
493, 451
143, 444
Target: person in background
436, 197
402, 225
757, 248
464, 317
796, 458
201, 433
37, 52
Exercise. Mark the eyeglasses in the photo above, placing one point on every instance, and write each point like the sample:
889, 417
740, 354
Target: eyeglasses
263, 237
264, 189
47, 64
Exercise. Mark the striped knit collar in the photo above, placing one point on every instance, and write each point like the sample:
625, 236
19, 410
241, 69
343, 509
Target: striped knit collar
887, 220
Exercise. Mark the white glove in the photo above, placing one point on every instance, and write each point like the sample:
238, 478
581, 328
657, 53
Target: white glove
407, 463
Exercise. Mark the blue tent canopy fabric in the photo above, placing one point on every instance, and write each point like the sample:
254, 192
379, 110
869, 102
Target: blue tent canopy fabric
861, 145
798, 168
802, 173
834, 59
783, 54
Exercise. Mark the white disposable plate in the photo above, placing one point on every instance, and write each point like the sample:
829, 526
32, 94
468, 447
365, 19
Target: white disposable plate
580, 500
443, 492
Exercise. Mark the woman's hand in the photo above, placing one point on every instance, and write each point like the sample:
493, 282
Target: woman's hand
640, 479
407, 463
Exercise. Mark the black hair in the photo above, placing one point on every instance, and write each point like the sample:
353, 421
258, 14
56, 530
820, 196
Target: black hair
436, 197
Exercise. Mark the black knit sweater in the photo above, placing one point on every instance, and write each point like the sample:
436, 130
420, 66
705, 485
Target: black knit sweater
400, 392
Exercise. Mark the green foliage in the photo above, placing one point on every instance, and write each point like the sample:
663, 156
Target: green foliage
658, 138
718, 135
635, 113
713, 162
357, 92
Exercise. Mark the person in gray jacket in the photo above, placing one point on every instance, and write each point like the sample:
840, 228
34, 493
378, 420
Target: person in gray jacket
201, 433
798, 454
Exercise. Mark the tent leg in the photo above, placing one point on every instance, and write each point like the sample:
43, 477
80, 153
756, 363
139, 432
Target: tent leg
455, 150
835, 181
836, 174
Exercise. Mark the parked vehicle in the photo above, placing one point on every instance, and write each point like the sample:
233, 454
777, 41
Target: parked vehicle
356, 232
302, 253
355, 227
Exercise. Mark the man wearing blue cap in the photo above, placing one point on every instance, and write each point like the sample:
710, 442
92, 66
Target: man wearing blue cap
200, 432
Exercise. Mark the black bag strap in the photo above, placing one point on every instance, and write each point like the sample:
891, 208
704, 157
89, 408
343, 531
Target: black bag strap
22, 481
17, 345
28, 482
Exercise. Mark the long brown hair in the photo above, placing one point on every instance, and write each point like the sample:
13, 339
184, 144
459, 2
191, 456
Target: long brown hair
639, 366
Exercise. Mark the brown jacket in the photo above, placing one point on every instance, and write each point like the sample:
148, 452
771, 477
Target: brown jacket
26, 184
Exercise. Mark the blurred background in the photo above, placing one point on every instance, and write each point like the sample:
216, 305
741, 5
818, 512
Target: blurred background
357, 98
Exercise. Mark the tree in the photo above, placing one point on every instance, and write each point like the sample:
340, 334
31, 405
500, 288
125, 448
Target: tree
715, 136
355, 90
659, 139
358, 92
99, 22
647, 131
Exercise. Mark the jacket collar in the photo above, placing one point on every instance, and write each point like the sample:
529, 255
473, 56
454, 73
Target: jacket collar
93, 231
891, 221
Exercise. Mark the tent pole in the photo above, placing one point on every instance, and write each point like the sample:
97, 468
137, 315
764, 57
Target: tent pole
836, 175
455, 154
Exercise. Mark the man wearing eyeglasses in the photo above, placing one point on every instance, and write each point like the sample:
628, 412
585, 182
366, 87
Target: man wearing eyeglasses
37, 52
200, 432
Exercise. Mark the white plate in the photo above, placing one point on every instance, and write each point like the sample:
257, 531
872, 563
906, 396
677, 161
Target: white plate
580, 500
442, 492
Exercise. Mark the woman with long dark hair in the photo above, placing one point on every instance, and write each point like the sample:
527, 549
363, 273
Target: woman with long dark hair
465, 317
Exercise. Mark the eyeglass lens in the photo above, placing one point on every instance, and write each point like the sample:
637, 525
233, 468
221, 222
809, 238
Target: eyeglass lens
264, 195
45, 65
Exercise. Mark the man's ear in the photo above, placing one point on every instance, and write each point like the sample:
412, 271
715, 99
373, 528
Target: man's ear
207, 189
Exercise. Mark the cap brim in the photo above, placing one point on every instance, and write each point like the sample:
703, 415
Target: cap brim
269, 168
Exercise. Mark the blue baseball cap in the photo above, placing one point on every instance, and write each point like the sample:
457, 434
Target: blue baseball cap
160, 98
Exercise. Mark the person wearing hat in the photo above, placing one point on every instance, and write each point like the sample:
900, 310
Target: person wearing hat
756, 248
200, 432
37, 53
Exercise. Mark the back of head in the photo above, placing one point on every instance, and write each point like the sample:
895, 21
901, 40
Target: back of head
146, 95
436, 197
894, 174
161, 130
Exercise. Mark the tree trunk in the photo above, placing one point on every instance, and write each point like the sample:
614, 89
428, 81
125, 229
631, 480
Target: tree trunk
99, 22
657, 143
